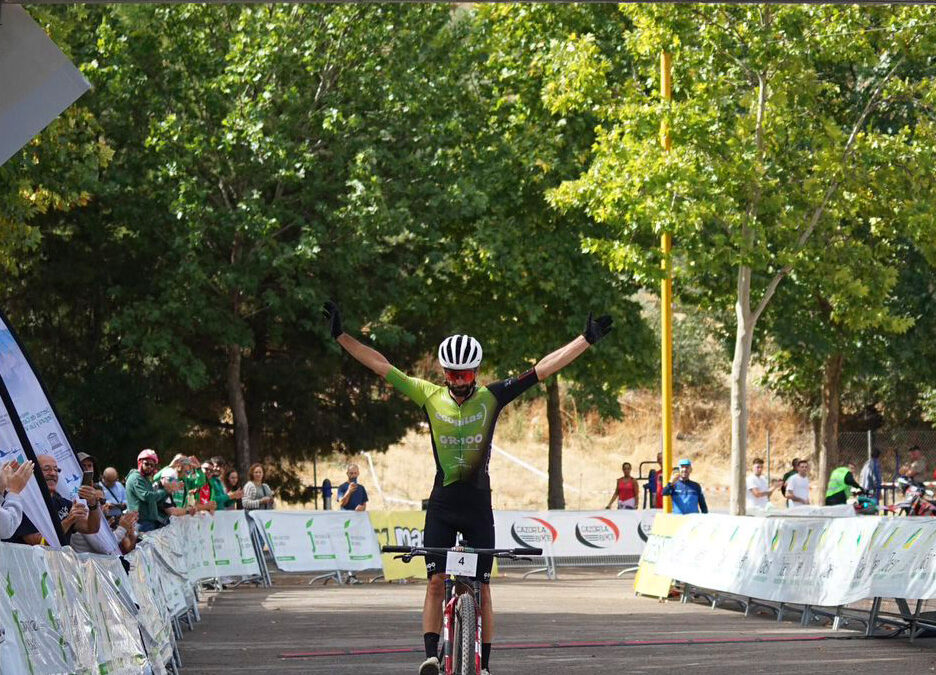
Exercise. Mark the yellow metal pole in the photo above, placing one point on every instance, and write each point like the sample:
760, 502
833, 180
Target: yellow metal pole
666, 300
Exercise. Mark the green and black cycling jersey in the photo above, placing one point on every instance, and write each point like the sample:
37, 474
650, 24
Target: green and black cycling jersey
462, 434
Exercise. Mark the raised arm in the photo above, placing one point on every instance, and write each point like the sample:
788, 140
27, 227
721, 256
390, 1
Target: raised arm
595, 329
371, 358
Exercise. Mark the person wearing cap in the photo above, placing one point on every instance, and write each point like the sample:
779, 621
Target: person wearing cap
143, 497
687, 494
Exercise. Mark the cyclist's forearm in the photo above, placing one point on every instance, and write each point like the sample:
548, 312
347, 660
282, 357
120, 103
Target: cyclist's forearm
559, 359
367, 356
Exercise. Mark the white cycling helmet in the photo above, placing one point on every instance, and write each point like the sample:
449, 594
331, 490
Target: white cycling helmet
460, 352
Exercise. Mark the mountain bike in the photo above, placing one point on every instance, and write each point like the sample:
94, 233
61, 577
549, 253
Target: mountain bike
461, 608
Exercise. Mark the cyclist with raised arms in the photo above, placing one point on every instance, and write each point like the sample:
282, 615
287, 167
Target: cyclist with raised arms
461, 417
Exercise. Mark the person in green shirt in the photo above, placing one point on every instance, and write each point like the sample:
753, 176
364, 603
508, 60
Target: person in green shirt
143, 497
219, 493
841, 480
461, 416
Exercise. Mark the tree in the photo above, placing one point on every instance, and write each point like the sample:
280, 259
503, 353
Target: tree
769, 159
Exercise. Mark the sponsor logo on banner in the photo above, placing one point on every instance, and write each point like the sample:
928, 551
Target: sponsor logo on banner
532, 532
597, 532
408, 536
315, 546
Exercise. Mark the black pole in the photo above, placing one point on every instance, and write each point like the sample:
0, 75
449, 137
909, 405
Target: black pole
31, 454
315, 477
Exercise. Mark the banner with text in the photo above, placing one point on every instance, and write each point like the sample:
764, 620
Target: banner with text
320, 541
574, 533
234, 554
400, 528
821, 561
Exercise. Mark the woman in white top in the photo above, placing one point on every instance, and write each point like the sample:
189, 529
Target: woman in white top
257, 494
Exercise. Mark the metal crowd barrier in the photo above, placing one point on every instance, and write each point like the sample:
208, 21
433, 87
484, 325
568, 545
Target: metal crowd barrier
874, 620
550, 565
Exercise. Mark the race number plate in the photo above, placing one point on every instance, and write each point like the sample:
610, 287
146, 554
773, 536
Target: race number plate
461, 564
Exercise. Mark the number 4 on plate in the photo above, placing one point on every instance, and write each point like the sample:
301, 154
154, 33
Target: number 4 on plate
461, 564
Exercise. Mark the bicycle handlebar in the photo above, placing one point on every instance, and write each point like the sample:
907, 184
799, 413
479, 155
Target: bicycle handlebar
427, 550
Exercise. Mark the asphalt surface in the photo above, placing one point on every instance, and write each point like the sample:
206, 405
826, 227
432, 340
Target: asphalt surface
287, 628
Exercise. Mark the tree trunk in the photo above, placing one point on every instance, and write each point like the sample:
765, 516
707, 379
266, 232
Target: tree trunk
744, 336
817, 440
255, 442
556, 499
235, 391
831, 404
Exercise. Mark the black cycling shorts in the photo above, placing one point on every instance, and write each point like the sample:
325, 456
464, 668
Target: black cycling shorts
467, 511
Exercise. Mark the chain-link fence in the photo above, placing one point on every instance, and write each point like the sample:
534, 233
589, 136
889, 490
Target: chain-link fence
856, 446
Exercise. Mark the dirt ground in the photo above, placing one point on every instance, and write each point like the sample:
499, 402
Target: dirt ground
296, 628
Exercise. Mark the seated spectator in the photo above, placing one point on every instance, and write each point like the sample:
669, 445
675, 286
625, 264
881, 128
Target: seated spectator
233, 487
13, 480
143, 497
115, 494
257, 494
73, 516
124, 532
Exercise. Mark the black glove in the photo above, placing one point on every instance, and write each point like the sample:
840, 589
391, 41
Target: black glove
595, 329
331, 312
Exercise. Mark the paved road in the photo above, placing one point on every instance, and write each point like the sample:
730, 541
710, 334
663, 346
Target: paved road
250, 630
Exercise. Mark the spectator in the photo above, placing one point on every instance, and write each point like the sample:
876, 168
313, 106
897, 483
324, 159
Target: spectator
626, 490
233, 487
124, 531
218, 494
687, 494
73, 516
257, 494
840, 482
143, 497
797, 485
351, 496
13, 480
871, 475
757, 493
115, 495
787, 475
917, 469
88, 463
654, 484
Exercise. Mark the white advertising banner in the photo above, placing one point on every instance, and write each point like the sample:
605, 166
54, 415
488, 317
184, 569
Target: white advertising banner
817, 561
320, 541
575, 533
234, 554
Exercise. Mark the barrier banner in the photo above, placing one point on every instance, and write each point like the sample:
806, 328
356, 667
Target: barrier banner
315, 541
231, 545
153, 617
648, 581
400, 528
828, 561
574, 533
33, 603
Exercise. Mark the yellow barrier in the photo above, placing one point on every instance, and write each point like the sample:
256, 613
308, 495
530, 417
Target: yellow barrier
400, 528
647, 581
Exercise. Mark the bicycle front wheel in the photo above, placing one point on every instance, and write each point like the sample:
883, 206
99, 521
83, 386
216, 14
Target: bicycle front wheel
464, 635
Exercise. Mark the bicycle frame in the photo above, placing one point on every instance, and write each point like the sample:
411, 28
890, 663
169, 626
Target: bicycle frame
448, 620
